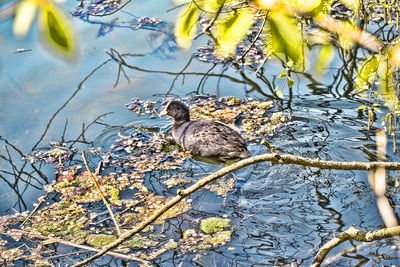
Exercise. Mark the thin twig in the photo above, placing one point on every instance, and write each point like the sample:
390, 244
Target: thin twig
255, 39
207, 28
263, 62
101, 194
35, 209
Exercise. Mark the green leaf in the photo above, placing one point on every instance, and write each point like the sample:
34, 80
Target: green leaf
57, 32
286, 36
283, 74
290, 82
231, 30
186, 25
324, 58
24, 15
363, 107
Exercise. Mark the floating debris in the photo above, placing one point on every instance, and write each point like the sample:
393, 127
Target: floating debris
146, 21
223, 186
22, 50
194, 240
96, 7
59, 154
176, 180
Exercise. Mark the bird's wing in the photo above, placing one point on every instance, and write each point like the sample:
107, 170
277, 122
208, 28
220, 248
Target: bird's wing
212, 139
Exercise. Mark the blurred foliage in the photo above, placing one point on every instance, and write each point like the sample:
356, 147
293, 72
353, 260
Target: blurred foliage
56, 31
288, 30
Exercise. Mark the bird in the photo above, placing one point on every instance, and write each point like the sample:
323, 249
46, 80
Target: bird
204, 138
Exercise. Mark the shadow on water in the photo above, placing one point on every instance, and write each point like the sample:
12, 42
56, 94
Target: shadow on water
281, 214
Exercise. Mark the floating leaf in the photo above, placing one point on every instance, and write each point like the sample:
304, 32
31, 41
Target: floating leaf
185, 27
324, 58
231, 30
56, 30
286, 36
24, 15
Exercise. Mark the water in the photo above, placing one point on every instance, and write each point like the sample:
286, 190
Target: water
281, 214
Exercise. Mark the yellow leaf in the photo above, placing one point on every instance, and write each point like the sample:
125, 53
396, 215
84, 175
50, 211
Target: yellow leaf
395, 55
57, 31
283, 74
24, 16
306, 5
272, 4
286, 36
211, 5
352, 4
185, 27
290, 82
231, 30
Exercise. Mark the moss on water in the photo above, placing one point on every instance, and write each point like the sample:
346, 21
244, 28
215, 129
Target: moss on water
100, 240
214, 224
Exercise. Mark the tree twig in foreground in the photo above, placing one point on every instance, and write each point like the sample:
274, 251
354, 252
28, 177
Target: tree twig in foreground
273, 158
354, 234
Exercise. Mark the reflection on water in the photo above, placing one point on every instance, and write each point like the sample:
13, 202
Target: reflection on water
281, 214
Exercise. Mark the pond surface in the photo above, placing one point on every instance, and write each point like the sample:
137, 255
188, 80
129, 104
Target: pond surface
280, 214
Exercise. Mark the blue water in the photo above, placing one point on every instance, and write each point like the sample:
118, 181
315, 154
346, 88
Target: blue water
281, 214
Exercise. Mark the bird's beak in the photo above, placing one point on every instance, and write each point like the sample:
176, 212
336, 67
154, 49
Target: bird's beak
164, 112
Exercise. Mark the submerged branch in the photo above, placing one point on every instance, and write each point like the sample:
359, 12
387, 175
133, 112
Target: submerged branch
273, 158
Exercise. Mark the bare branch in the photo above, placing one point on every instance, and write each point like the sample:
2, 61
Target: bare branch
101, 194
273, 158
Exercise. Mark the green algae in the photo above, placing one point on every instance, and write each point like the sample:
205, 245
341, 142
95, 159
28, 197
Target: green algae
100, 240
171, 245
214, 224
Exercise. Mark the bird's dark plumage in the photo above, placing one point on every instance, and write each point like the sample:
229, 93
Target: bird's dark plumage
204, 138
